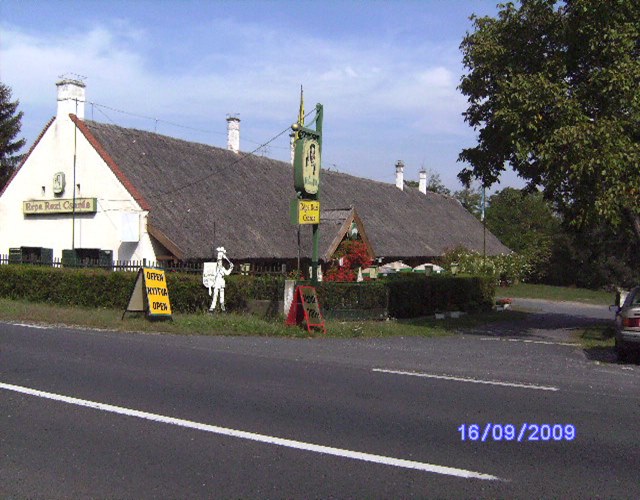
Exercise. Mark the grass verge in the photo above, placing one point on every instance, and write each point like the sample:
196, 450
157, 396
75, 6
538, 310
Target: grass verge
529, 291
237, 324
596, 336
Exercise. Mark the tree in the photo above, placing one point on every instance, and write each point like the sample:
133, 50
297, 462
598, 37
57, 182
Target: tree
10, 124
526, 224
471, 199
434, 183
553, 91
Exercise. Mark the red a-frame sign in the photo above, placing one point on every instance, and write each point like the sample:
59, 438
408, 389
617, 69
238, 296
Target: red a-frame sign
305, 306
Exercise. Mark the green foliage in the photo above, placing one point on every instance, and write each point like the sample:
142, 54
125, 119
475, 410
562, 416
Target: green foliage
365, 295
100, 288
408, 296
434, 183
82, 287
354, 255
416, 295
596, 257
553, 93
10, 124
471, 199
501, 269
525, 223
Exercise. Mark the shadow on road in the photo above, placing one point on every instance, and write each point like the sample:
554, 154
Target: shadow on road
537, 326
556, 328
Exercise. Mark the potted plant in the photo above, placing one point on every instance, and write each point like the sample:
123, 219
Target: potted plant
502, 304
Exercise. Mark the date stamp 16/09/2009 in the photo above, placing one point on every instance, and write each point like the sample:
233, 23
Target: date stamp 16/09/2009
519, 433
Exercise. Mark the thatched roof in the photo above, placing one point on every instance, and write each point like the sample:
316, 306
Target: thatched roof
201, 196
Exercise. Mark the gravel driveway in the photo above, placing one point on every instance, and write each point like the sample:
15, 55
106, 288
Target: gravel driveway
548, 320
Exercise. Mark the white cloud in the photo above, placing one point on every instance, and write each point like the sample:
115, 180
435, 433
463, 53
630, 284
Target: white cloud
368, 87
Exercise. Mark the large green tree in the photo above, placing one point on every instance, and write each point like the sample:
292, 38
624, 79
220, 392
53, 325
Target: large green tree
10, 124
470, 197
553, 91
526, 223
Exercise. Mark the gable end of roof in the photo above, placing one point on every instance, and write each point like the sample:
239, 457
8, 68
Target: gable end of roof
111, 163
26, 157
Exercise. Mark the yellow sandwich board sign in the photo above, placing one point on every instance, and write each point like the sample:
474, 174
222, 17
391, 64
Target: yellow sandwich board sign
150, 294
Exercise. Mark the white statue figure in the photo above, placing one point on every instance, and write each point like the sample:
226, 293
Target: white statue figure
213, 277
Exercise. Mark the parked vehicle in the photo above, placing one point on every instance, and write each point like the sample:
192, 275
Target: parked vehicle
628, 325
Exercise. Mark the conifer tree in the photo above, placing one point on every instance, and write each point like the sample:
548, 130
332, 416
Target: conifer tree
10, 124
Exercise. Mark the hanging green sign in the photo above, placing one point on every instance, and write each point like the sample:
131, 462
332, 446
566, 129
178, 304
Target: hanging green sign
307, 171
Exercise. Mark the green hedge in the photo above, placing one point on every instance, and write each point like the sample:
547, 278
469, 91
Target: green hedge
406, 296
83, 287
100, 288
415, 295
338, 295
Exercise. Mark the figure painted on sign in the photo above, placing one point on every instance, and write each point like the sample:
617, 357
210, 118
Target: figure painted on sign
312, 157
213, 278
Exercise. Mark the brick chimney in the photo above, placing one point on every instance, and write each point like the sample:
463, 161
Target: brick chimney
400, 175
422, 182
233, 133
71, 98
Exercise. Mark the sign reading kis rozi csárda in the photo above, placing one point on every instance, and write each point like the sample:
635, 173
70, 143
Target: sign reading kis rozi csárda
61, 206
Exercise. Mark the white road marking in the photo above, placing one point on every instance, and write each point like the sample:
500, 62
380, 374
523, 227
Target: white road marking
471, 380
261, 438
30, 325
527, 341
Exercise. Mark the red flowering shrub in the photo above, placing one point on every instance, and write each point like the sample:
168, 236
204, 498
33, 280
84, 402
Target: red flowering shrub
354, 255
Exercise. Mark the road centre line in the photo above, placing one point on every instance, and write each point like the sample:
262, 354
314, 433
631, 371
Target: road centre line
471, 380
261, 438
528, 341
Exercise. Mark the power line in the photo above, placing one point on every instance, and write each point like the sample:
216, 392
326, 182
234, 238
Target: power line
215, 169
167, 122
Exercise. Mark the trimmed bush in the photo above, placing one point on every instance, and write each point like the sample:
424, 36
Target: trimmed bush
415, 295
112, 289
338, 295
403, 296
82, 287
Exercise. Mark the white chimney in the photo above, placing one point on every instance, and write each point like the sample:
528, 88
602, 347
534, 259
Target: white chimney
400, 175
233, 133
71, 98
422, 183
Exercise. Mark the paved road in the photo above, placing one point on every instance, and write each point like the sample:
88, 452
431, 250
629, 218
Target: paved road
568, 309
172, 407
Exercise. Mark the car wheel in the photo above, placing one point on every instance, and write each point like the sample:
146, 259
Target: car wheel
621, 351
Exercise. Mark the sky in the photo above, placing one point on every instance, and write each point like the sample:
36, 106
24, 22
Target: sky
386, 73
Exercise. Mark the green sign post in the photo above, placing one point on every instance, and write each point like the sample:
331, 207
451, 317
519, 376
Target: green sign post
306, 173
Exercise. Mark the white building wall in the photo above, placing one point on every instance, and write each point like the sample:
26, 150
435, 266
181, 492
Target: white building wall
93, 179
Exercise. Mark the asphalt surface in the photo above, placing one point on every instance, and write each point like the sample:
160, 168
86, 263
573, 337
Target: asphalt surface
343, 394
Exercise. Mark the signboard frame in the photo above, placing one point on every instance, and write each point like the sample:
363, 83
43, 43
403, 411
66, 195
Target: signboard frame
305, 212
305, 306
60, 206
150, 294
